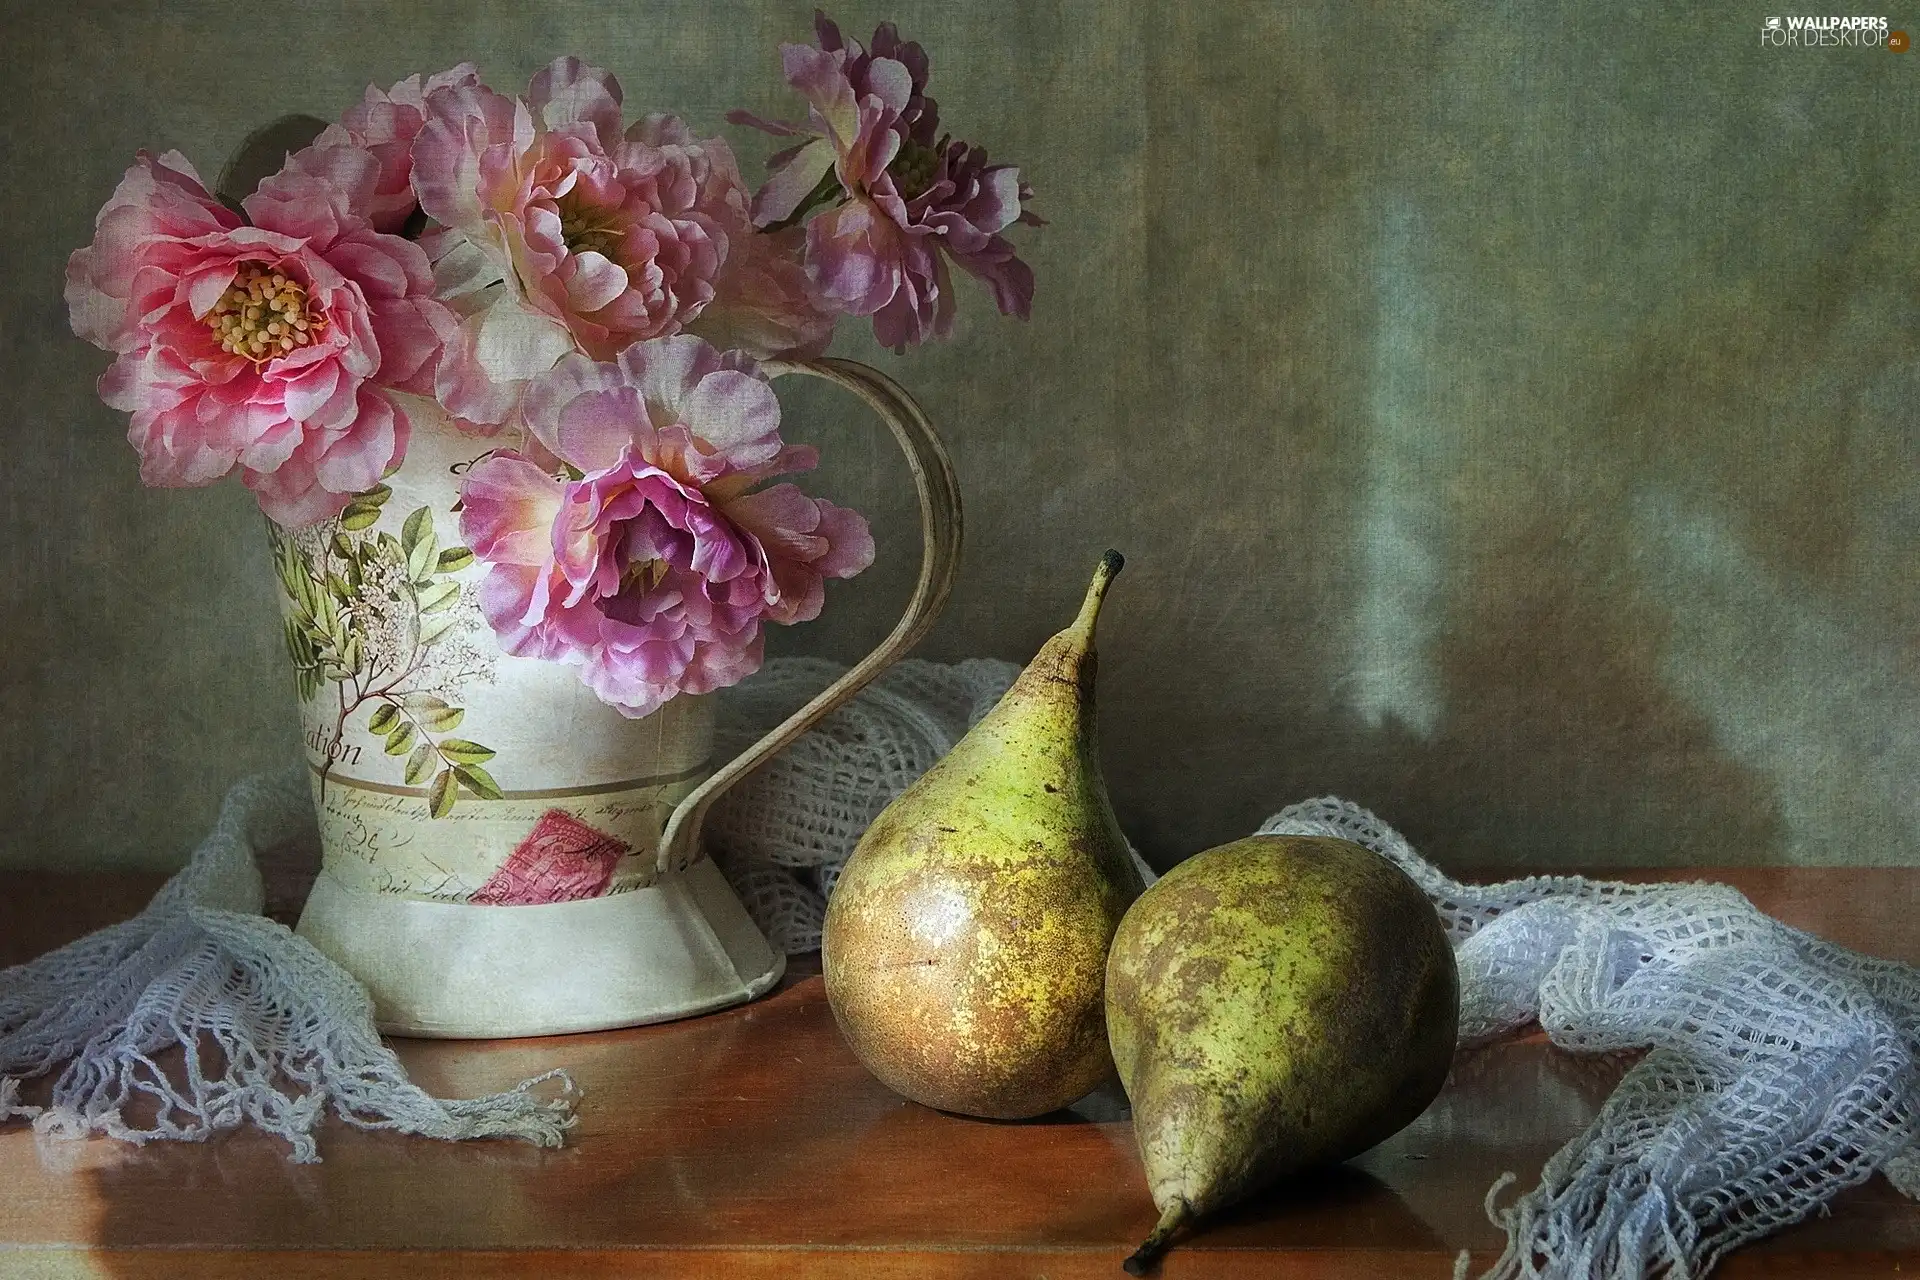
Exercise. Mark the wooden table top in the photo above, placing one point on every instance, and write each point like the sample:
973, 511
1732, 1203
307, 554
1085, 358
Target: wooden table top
751, 1144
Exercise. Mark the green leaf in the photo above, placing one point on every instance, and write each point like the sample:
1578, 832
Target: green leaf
432, 629
441, 795
420, 558
400, 740
341, 588
384, 717
299, 644
418, 526
420, 764
303, 592
287, 567
342, 546
478, 781
433, 713
454, 559
460, 751
441, 595
374, 497
358, 516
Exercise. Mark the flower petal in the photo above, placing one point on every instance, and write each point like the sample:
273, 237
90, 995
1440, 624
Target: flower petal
593, 436
568, 91
595, 281
513, 342
736, 415
792, 182
507, 506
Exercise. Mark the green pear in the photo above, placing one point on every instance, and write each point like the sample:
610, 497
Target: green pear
965, 945
1274, 1004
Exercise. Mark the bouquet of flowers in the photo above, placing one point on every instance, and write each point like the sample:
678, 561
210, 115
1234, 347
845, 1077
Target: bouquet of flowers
597, 295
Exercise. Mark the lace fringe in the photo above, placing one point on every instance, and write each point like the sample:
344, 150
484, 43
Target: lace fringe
269, 1031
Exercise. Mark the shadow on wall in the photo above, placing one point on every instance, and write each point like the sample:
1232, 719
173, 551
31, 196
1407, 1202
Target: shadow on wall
262, 155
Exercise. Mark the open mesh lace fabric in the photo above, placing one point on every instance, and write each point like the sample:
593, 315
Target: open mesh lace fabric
1780, 1068
269, 1031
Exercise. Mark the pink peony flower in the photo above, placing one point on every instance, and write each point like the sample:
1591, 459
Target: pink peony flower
655, 568
617, 236
369, 154
903, 204
269, 349
865, 107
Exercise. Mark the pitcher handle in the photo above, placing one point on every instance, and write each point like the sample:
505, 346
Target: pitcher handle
939, 561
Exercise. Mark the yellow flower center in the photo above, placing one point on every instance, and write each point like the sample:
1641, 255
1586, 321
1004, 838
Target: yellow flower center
644, 574
264, 314
588, 229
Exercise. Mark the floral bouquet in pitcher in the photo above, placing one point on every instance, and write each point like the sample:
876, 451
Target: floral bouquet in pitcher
497, 370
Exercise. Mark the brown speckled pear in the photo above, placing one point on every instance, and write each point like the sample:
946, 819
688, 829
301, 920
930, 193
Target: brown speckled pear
965, 945
1275, 1003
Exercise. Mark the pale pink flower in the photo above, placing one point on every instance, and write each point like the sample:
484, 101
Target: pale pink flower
898, 203
618, 236
763, 302
269, 349
379, 129
762, 305
655, 569
499, 346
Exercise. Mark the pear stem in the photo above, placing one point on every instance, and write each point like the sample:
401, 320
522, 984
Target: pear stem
1103, 575
1156, 1244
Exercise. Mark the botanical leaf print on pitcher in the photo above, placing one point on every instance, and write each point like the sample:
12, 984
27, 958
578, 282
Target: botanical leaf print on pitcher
380, 624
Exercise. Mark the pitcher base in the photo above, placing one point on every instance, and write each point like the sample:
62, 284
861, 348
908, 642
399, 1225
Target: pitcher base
682, 946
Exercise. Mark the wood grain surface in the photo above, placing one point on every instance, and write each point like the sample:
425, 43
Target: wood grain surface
751, 1144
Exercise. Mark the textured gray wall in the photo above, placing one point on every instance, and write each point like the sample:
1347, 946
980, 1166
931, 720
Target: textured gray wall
1509, 412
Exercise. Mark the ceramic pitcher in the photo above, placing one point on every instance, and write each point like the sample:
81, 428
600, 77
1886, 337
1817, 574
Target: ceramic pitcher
502, 853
